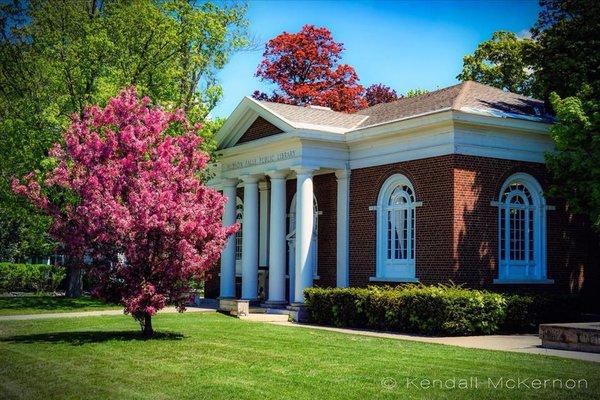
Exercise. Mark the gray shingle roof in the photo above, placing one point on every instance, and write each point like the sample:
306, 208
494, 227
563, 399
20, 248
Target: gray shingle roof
314, 116
471, 97
467, 96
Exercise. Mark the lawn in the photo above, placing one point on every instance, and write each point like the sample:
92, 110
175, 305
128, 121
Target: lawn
212, 356
37, 304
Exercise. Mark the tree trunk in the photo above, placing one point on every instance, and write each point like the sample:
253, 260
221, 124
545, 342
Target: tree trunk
147, 329
74, 281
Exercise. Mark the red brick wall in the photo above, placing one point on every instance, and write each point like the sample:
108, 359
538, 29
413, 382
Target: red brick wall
325, 188
572, 250
260, 128
432, 181
457, 227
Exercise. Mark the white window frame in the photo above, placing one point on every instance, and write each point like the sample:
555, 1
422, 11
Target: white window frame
522, 271
398, 270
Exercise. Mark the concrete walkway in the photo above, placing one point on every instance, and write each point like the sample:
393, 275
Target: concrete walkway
514, 343
25, 317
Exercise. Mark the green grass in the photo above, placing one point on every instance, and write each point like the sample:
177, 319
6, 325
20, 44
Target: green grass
37, 304
211, 356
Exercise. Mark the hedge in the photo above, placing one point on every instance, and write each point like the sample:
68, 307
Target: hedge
524, 312
30, 277
429, 310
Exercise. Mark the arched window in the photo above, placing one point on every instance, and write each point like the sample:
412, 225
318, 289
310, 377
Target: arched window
396, 230
239, 216
521, 230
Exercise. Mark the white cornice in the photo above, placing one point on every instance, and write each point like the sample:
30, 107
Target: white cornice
431, 134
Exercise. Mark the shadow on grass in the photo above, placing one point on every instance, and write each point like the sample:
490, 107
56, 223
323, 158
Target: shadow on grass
81, 338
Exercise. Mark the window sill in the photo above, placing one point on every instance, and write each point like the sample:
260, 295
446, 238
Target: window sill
399, 280
523, 281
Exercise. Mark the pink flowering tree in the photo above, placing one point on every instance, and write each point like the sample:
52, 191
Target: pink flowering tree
126, 191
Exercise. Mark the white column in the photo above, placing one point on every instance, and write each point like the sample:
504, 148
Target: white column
304, 229
250, 239
277, 244
342, 259
227, 281
263, 244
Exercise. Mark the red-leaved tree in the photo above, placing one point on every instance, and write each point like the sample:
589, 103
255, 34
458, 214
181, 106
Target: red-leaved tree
305, 68
126, 191
378, 93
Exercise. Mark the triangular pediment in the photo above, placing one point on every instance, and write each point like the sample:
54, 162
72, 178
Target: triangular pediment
250, 121
259, 129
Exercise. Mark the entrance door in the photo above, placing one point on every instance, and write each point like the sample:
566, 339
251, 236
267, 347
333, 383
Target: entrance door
291, 242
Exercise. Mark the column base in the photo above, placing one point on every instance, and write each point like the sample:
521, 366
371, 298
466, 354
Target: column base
255, 301
226, 304
298, 312
275, 304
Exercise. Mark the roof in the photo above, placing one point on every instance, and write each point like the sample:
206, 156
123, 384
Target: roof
467, 96
314, 116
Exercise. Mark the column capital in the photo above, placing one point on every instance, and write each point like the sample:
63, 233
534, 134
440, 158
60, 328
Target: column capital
277, 174
302, 170
342, 174
230, 182
250, 178
263, 185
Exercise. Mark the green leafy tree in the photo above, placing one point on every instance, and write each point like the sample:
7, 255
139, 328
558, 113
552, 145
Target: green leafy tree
561, 63
568, 71
568, 50
505, 61
576, 163
56, 57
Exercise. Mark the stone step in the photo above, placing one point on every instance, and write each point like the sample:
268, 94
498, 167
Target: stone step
258, 310
582, 336
264, 317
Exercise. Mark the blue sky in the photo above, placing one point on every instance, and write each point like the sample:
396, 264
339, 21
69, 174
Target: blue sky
403, 44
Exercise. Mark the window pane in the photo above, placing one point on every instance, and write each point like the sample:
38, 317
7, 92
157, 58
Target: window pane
389, 234
530, 234
399, 224
502, 234
517, 234
412, 233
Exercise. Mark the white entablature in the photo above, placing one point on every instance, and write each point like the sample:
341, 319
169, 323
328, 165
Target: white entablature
326, 143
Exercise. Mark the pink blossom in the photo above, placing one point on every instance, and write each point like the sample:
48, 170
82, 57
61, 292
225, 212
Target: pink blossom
133, 201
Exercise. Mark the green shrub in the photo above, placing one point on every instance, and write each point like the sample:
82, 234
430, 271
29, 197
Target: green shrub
524, 312
432, 310
437, 310
30, 277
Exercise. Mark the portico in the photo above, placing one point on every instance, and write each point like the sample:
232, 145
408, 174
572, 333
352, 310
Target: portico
274, 180
275, 234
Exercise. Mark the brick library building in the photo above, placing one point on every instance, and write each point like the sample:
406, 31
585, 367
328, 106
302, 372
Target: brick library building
445, 187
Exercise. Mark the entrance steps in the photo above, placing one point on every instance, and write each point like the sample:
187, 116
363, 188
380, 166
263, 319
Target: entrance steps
265, 317
242, 310
266, 314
